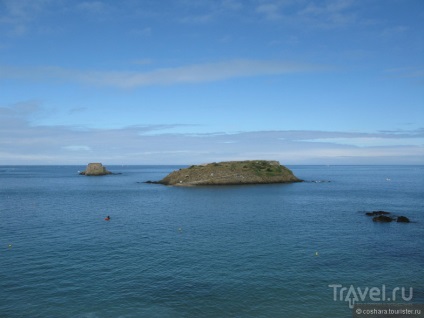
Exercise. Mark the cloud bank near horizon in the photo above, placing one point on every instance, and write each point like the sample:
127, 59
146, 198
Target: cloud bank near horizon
23, 143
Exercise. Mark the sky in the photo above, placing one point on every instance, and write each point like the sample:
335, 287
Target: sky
195, 81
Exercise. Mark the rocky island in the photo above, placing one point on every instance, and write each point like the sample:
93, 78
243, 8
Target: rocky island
95, 169
230, 173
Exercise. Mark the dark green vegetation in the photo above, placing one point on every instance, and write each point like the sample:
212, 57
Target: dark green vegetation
231, 172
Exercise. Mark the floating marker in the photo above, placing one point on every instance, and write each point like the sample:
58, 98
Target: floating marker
316, 253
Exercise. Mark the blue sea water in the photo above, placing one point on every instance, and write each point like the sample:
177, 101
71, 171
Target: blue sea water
223, 251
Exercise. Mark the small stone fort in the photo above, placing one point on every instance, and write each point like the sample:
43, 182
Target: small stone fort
95, 169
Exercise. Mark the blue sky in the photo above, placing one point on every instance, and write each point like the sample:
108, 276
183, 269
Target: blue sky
192, 81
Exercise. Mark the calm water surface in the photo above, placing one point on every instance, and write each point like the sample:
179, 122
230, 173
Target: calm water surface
223, 251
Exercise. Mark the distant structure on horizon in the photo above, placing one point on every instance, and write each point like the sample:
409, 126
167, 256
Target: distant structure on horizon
95, 169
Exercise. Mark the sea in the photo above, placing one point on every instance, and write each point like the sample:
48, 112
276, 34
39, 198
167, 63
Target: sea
279, 250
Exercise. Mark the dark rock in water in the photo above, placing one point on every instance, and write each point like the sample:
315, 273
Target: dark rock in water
231, 172
375, 213
95, 169
402, 219
382, 218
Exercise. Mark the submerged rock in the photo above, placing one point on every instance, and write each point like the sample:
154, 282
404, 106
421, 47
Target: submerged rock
382, 218
402, 219
231, 172
95, 169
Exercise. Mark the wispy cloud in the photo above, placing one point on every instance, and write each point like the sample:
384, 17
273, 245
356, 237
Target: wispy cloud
406, 72
322, 14
21, 111
271, 10
195, 73
329, 13
77, 110
17, 15
22, 17
143, 32
197, 19
77, 148
232, 4
95, 7
202, 12
145, 61
397, 30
